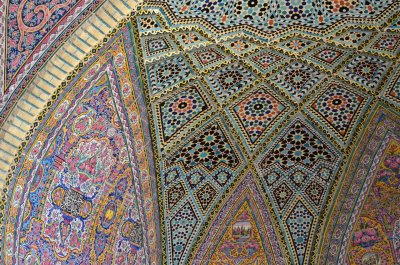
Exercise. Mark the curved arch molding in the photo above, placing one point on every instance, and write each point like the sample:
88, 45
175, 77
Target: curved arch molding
83, 189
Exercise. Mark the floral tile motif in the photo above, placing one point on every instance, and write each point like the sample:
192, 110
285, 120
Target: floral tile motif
297, 80
366, 71
257, 113
228, 80
166, 73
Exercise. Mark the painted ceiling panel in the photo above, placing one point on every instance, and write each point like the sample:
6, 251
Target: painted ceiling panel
215, 132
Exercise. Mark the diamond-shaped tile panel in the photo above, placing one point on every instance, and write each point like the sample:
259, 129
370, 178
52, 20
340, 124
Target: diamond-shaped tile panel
339, 107
282, 195
366, 71
258, 112
171, 176
266, 60
167, 73
208, 57
182, 226
328, 57
297, 79
191, 39
174, 195
315, 192
228, 80
392, 89
205, 196
298, 178
385, 44
352, 38
176, 112
300, 222
156, 46
298, 144
209, 148
296, 45
239, 46
195, 178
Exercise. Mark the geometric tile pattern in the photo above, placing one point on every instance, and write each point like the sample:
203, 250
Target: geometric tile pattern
339, 107
162, 75
228, 80
209, 148
385, 44
266, 60
297, 80
182, 226
296, 45
205, 196
328, 57
352, 38
148, 23
392, 88
237, 87
179, 110
258, 112
208, 57
299, 222
190, 39
366, 71
158, 45
240, 46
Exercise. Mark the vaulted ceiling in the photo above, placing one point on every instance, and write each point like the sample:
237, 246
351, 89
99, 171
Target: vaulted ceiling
200, 132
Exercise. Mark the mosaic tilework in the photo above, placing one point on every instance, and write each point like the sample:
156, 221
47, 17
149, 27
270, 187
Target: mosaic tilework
191, 39
392, 89
272, 16
240, 46
156, 46
171, 71
258, 112
296, 45
226, 81
208, 150
366, 70
339, 107
328, 57
291, 168
178, 111
148, 23
266, 60
385, 44
297, 79
299, 222
248, 130
208, 57
352, 38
